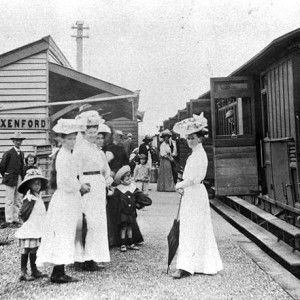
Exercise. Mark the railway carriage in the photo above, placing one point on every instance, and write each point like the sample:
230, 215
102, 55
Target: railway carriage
254, 119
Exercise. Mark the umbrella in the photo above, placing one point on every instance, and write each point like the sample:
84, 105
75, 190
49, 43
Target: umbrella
173, 238
84, 229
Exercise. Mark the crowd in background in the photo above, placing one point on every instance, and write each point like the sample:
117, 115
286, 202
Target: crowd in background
99, 182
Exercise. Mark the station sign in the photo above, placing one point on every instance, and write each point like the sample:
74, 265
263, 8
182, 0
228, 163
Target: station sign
9, 123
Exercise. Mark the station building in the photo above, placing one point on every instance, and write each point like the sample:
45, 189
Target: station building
36, 76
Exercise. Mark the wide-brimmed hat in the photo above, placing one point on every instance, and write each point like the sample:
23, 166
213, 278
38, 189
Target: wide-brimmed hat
120, 173
17, 136
32, 174
102, 128
67, 126
91, 118
191, 125
118, 132
165, 133
147, 138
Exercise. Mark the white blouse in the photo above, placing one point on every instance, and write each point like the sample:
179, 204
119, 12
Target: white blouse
66, 172
165, 150
90, 159
195, 168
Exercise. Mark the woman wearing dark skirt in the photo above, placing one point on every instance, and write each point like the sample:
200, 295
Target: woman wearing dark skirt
165, 181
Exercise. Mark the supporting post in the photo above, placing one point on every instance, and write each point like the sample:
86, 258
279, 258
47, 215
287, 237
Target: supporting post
79, 36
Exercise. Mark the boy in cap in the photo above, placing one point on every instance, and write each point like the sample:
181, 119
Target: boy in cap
11, 169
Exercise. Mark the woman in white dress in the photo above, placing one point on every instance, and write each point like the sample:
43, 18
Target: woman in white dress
93, 169
58, 245
197, 251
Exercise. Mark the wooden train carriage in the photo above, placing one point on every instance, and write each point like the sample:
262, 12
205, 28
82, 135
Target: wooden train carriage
255, 115
182, 114
39, 75
233, 133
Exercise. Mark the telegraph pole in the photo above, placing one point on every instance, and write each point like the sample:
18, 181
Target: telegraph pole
79, 36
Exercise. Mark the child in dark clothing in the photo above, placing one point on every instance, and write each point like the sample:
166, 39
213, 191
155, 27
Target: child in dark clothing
129, 199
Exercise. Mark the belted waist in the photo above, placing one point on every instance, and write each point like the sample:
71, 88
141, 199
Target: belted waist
92, 173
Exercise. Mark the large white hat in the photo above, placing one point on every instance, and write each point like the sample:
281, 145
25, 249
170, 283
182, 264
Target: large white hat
104, 128
191, 125
91, 118
67, 126
32, 174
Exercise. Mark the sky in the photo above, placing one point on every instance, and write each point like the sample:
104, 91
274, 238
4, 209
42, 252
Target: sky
167, 49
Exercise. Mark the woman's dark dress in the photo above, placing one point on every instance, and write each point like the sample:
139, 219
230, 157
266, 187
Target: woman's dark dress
120, 157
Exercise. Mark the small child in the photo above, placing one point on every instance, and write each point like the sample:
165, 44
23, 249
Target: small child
30, 163
33, 213
129, 199
142, 174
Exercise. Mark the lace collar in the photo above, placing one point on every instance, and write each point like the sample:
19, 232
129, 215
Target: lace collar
29, 196
126, 188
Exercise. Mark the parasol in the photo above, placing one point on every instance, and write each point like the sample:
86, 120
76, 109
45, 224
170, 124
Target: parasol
84, 230
173, 238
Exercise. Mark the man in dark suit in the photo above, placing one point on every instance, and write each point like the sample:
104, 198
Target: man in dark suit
11, 169
128, 144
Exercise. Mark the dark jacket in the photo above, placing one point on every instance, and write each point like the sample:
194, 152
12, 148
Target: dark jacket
120, 157
128, 146
143, 150
11, 167
127, 203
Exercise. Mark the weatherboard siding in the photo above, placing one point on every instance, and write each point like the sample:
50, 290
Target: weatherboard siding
23, 83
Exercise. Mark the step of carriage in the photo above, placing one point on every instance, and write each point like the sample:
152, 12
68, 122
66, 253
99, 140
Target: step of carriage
285, 254
284, 231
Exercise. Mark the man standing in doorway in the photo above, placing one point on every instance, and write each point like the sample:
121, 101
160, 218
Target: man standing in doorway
11, 169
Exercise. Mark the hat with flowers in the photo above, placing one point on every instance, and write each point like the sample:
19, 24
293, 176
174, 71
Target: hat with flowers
191, 125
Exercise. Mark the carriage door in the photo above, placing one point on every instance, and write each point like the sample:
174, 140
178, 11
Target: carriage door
233, 132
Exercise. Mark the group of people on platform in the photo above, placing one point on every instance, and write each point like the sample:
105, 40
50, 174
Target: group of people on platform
95, 201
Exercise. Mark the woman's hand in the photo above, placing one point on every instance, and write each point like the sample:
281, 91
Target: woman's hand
85, 188
180, 191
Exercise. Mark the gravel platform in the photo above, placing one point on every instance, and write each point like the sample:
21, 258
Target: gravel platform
142, 274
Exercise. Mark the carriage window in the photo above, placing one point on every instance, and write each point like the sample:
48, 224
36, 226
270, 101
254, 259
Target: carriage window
233, 116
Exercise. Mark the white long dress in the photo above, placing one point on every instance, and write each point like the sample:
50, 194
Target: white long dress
197, 251
90, 159
58, 245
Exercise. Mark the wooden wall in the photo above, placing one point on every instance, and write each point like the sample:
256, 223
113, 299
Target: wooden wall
24, 82
126, 126
235, 170
280, 100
